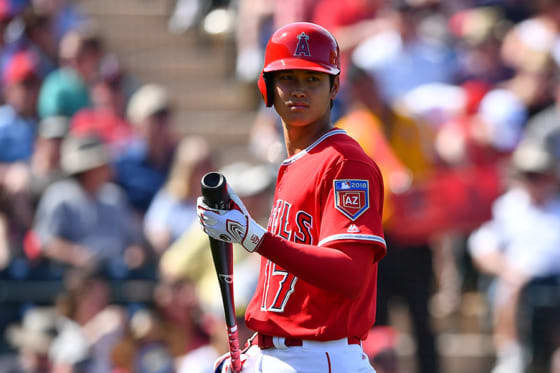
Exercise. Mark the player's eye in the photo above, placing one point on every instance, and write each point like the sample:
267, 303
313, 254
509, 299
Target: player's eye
285, 77
313, 78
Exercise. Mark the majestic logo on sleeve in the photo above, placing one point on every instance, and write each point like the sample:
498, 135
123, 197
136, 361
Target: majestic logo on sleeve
351, 197
302, 48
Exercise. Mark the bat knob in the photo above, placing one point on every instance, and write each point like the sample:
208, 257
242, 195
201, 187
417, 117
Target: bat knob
214, 190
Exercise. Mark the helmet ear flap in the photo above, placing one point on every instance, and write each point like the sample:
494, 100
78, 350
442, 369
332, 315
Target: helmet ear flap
265, 87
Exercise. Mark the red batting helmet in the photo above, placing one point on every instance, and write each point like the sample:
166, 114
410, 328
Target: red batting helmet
299, 46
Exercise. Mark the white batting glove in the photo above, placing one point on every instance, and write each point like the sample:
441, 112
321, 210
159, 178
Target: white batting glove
223, 363
235, 225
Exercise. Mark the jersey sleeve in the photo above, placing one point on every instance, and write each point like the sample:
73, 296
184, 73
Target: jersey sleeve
352, 204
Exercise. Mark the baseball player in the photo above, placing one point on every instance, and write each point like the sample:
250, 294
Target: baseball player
316, 295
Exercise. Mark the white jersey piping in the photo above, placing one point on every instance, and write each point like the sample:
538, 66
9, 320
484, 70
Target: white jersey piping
351, 236
297, 156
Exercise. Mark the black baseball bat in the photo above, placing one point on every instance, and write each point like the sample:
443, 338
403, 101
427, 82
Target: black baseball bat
214, 191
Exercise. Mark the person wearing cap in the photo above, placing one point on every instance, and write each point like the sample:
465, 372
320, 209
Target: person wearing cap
316, 293
18, 117
143, 166
84, 220
521, 242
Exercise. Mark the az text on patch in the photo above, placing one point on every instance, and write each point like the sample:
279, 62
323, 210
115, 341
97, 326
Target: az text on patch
351, 197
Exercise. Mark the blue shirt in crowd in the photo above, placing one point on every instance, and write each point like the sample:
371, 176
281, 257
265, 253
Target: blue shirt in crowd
17, 135
140, 179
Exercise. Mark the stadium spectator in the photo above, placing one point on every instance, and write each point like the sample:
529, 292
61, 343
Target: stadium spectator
106, 118
6, 15
146, 346
518, 244
24, 185
141, 170
65, 16
32, 340
544, 127
404, 55
65, 90
89, 324
479, 32
159, 334
178, 304
84, 221
173, 209
18, 118
35, 36
45, 168
529, 49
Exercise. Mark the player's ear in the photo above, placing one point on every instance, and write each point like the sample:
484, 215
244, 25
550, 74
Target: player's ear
335, 85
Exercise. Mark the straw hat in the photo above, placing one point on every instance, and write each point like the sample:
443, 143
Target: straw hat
82, 153
36, 332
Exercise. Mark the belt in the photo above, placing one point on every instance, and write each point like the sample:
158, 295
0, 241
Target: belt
266, 341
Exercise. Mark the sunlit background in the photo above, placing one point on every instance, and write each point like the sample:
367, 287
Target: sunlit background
112, 110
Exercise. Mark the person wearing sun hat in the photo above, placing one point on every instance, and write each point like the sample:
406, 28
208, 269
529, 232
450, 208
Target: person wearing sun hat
84, 220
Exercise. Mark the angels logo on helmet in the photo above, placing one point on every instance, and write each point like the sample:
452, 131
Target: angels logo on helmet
302, 48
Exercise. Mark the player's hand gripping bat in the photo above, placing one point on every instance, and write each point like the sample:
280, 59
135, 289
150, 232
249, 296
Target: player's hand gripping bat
214, 192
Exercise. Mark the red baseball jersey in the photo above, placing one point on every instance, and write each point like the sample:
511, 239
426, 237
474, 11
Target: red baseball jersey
328, 193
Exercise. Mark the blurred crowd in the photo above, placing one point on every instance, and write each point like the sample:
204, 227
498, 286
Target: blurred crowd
103, 267
457, 101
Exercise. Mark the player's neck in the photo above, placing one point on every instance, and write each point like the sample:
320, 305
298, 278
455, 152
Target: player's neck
298, 138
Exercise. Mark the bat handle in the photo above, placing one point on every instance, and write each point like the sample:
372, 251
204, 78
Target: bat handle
235, 352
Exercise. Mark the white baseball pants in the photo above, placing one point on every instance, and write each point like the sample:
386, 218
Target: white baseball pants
313, 357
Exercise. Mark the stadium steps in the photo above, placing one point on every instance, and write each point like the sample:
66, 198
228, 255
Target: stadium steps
197, 69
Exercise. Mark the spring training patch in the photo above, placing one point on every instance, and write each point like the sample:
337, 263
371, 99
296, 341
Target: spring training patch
351, 197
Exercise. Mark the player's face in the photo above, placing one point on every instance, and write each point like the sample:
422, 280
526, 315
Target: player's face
302, 97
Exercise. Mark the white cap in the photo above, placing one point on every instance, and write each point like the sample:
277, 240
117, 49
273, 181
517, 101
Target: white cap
83, 153
532, 156
147, 101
